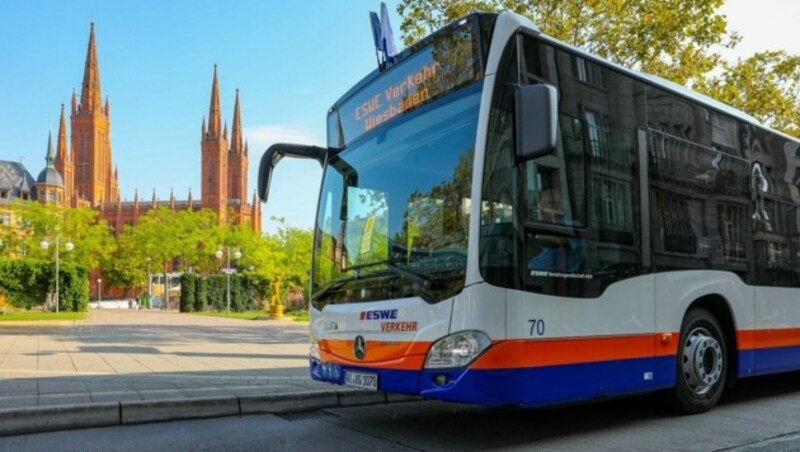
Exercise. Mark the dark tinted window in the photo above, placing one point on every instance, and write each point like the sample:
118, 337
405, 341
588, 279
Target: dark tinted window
566, 223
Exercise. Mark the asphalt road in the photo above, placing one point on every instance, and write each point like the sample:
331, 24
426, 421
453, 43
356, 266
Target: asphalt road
761, 414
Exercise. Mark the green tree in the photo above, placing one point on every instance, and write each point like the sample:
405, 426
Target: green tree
679, 40
289, 251
186, 238
82, 226
765, 85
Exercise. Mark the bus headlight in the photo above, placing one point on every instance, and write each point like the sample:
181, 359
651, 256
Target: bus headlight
314, 351
457, 349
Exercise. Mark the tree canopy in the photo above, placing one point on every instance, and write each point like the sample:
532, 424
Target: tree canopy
680, 40
189, 240
89, 233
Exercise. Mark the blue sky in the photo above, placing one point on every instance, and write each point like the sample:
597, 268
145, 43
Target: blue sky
290, 59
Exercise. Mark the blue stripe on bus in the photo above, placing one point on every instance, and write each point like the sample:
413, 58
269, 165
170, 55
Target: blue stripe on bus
778, 359
528, 386
541, 386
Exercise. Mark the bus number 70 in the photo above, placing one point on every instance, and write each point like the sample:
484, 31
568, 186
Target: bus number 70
537, 327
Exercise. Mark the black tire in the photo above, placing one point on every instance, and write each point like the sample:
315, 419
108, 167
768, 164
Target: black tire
702, 364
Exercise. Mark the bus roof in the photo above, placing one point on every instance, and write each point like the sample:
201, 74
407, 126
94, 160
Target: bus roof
651, 79
524, 22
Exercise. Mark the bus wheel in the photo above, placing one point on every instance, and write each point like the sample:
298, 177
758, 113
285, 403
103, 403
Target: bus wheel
702, 363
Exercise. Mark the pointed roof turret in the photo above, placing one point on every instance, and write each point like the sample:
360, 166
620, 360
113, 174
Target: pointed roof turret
225, 132
214, 110
246, 148
107, 107
74, 102
50, 174
203, 128
51, 153
61, 147
91, 99
237, 146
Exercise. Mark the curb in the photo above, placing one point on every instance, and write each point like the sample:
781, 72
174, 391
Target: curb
20, 421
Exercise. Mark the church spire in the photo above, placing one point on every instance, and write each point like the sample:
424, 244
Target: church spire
214, 111
90, 90
236, 137
61, 146
51, 153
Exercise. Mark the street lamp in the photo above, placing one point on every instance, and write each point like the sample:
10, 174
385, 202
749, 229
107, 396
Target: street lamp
236, 255
149, 282
99, 290
68, 247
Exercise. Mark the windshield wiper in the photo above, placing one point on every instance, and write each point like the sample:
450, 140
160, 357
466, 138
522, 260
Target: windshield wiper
333, 285
415, 277
419, 279
338, 283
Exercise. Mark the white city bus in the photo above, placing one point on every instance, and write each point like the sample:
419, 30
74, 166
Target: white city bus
505, 219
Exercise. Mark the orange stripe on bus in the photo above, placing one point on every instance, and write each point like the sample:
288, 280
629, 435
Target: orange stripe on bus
522, 353
746, 339
779, 337
380, 354
553, 352
767, 338
510, 354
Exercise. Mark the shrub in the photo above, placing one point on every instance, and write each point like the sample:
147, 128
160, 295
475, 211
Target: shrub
25, 283
188, 289
201, 295
246, 292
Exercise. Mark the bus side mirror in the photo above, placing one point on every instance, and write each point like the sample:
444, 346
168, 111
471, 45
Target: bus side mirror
275, 153
536, 108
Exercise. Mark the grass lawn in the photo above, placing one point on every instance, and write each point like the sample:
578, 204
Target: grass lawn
36, 315
256, 315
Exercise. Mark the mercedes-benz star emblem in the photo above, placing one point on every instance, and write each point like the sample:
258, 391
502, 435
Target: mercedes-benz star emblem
360, 348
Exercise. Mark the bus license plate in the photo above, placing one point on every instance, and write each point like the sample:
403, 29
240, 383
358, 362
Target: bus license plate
361, 380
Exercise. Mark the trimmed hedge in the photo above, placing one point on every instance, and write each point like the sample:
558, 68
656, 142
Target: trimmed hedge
188, 283
201, 295
27, 282
210, 293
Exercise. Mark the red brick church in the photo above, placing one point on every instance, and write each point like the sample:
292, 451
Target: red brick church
91, 179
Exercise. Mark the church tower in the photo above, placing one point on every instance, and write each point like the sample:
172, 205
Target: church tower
94, 178
214, 148
237, 161
64, 163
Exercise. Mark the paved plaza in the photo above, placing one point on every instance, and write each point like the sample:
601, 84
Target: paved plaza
128, 355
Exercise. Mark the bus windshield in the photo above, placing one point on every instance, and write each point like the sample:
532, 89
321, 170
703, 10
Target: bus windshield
394, 207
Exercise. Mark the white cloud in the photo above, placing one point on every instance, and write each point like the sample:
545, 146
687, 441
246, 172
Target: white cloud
263, 136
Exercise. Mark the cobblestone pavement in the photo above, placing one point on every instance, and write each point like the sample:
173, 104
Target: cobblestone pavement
124, 355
